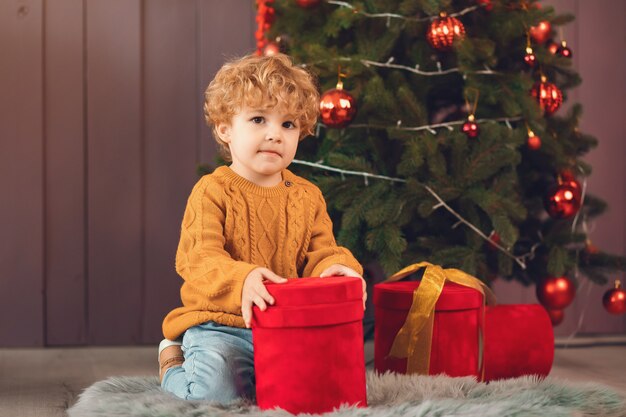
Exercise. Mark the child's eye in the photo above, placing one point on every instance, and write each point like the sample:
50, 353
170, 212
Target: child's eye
257, 119
289, 125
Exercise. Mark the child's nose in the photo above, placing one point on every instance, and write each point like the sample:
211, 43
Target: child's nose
274, 134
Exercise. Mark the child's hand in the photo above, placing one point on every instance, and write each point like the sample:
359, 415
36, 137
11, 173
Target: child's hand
254, 292
342, 270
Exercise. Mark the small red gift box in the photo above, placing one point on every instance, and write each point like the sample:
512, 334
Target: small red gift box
456, 333
519, 340
308, 346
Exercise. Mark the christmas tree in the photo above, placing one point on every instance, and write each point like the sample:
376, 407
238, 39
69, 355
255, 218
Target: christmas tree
441, 136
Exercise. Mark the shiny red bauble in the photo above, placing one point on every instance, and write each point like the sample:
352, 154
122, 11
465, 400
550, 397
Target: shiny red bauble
563, 200
590, 248
541, 32
307, 3
533, 142
567, 175
444, 31
267, 15
271, 48
264, 19
494, 240
530, 59
553, 47
614, 300
470, 128
337, 108
486, 4
547, 95
556, 293
563, 50
556, 316
568, 178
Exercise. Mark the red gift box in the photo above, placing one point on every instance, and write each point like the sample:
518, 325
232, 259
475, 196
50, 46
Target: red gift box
308, 346
456, 334
519, 340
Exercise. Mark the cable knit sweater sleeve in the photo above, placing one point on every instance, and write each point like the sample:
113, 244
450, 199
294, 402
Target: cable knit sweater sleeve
322, 249
214, 279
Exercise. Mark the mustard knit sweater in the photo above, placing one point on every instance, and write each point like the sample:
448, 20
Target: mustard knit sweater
231, 226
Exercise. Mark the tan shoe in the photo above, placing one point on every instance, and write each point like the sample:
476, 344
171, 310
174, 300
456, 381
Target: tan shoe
169, 357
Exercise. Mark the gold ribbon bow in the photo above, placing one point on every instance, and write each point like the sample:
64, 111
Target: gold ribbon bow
413, 341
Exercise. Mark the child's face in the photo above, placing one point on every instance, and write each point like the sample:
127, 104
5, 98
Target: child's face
262, 143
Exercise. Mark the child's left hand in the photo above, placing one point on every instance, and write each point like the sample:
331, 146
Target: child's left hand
342, 270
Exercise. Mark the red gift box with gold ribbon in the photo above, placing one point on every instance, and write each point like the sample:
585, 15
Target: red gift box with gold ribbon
447, 323
308, 346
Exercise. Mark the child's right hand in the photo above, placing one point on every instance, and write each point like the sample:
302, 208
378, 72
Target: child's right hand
254, 292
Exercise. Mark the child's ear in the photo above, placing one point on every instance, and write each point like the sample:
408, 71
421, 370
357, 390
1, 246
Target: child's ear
223, 131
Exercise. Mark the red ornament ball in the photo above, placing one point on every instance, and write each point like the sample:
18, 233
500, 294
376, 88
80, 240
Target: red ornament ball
614, 300
553, 47
556, 316
267, 15
541, 32
494, 239
337, 108
567, 175
556, 293
533, 142
563, 50
530, 59
470, 128
486, 4
547, 95
563, 200
307, 4
572, 182
272, 48
590, 248
443, 31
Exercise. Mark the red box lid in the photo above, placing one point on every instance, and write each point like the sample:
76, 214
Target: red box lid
399, 296
307, 291
312, 302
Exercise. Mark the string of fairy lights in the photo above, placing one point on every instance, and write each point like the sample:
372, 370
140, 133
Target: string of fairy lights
415, 70
519, 259
389, 16
431, 127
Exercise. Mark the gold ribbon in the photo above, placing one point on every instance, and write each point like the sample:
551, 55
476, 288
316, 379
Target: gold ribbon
414, 339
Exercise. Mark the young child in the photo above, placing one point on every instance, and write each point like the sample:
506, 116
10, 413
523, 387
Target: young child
245, 224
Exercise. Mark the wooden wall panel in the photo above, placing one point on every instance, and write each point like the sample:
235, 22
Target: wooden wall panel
182, 40
114, 171
225, 30
602, 65
65, 174
21, 174
170, 114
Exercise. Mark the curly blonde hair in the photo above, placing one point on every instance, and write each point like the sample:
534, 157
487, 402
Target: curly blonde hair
261, 82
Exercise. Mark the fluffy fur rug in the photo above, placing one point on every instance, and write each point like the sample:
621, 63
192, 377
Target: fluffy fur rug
388, 395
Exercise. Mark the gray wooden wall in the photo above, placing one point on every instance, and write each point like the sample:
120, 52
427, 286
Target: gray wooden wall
101, 129
100, 132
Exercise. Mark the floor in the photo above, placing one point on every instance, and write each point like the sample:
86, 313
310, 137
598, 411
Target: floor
45, 382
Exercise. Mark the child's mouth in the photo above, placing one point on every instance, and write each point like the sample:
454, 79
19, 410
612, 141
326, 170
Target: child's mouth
270, 153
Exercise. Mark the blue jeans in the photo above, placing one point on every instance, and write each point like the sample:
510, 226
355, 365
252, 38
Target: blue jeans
219, 365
